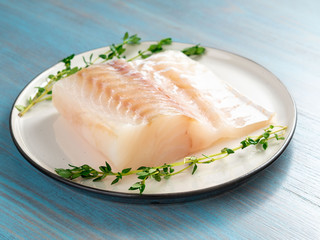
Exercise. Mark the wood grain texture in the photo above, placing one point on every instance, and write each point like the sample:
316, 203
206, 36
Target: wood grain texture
282, 202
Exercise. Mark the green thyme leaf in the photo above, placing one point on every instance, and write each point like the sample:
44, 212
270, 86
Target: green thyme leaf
134, 39
142, 168
265, 145
126, 170
154, 48
152, 170
194, 50
244, 144
104, 169
135, 186
30, 100
67, 61
157, 177
165, 41
227, 150
87, 64
73, 71
141, 188
194, 169
40, 89
144, 56
266, 135
143, 174
125, 37
253, 142
108, 167
65, 173
20, 108
51, 76
75, 175
100, 177
115, 180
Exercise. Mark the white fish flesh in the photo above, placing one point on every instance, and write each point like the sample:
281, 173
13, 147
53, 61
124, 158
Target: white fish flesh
154, 111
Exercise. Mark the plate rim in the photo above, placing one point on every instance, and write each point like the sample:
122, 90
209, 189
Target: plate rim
158, 197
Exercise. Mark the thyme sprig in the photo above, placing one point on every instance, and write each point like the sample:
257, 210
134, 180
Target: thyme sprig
165, 171
115, 51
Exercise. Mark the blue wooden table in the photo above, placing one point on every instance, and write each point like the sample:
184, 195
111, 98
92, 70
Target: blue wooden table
282, 202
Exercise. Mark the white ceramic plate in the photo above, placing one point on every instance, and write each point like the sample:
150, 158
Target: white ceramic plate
47, 142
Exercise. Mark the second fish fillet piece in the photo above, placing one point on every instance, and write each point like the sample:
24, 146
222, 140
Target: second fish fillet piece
154, 111
195, 84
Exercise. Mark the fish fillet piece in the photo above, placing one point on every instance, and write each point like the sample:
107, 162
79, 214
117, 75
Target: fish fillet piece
238, 115
154, 111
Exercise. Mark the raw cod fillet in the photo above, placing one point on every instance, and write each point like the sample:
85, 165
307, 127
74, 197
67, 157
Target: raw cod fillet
154, 111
